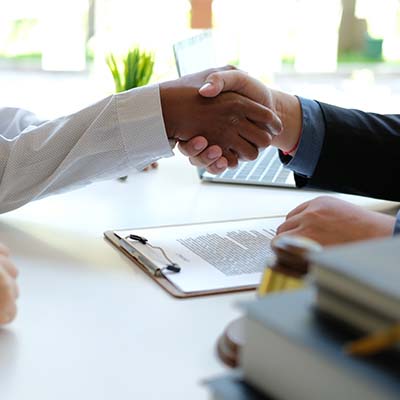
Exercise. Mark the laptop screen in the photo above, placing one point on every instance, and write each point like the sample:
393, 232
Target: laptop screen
195, 54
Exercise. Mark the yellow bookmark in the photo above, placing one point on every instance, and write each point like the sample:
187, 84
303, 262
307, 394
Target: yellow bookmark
375, 342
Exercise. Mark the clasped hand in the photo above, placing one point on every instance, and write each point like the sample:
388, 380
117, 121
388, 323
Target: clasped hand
231, 120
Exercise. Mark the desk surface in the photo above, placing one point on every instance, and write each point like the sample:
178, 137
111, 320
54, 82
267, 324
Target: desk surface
91, 325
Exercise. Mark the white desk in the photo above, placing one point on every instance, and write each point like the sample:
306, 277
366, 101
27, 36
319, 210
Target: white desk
91, 325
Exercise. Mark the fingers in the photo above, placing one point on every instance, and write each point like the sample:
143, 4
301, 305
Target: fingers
202, 156
240, 82
211, 159
8, 295
153, 165
240, 147
193, 147
263, 115
207, 157
8, 287
4, 250
224, 81
8, 266
299, 209
292, 232
218, 166
214, 159
293, 219
232, 158
255, 135
289, 225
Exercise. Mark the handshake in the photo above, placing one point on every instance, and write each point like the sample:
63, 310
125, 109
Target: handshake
221, 116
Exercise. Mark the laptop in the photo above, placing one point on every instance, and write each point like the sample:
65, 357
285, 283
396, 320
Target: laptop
196, 54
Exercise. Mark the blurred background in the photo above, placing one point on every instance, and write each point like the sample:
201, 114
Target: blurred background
344, 52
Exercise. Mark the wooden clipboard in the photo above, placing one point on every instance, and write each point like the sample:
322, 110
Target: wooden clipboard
114, 239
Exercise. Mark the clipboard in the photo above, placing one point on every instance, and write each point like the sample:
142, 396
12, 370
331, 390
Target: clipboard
116, 239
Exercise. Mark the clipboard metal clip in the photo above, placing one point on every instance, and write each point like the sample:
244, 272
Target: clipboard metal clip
172, 266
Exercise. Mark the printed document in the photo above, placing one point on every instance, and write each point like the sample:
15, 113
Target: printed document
211, 256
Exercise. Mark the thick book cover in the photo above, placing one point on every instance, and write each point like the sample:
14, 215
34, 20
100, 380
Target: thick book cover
365, 273
294, 352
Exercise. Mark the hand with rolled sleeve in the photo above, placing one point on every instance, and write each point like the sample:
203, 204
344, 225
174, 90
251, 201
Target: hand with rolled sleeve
128, 130
8, 287
317, 142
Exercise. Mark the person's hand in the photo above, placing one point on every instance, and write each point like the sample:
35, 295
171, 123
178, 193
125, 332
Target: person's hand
286, 106
330, 221
200, 154
238, 125
8, 287
153, 165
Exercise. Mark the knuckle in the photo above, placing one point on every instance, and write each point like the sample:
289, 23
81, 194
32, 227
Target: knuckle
234, 120
242, 74
212, 170
235, 102
321, 198
232, 161
265, 140
193, 161
252, 154
281, 228
311, 217
183, 149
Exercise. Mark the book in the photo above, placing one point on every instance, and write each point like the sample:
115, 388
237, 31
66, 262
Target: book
359, 283
294, 352
350, 313
233, 387
205, 258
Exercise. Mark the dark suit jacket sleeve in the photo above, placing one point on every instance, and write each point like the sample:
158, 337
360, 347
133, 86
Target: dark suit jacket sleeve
360, 154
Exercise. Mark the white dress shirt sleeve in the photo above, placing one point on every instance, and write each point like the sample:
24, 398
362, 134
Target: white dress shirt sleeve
105, 140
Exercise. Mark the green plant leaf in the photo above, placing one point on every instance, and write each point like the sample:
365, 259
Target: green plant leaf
137, 68
113, 66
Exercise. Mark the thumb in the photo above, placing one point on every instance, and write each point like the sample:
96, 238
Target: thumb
213, 85
224, 81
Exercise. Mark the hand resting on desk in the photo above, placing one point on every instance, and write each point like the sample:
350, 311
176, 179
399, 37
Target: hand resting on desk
331, 221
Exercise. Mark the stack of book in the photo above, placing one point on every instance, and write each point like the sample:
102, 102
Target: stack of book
360, 284
294, 349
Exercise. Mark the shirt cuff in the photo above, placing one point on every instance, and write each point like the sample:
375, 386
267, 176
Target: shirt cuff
142, 125
312, 138
396, 230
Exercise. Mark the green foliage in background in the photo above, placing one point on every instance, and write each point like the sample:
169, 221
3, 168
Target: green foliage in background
134, 70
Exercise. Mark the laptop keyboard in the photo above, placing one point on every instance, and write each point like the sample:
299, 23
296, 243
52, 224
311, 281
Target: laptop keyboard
267, 169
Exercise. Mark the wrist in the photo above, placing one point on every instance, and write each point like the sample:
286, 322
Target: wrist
167, 99
289, 111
